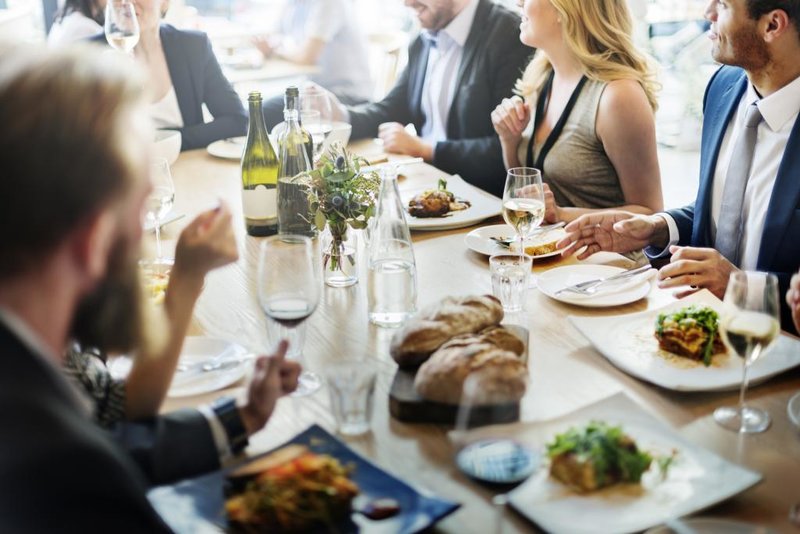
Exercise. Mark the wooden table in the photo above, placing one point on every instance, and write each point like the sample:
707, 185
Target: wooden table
566, 372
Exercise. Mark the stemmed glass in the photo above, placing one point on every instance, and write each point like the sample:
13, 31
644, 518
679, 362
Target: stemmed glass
121, 26
310, 119
160, 200
314, 98
288, 292
523, 202
749, 325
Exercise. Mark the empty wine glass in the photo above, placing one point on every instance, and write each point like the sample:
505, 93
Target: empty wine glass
310, 120
313, 98
288, 291
160, 200
121, 26
523, 202
749, 325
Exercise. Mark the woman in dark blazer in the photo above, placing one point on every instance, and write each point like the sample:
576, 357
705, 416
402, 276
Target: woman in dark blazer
182, 67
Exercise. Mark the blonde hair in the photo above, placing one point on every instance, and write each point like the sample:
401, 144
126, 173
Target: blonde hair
599, 35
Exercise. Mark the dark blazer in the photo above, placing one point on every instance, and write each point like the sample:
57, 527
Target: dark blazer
493, 59
59, 472
198, 79
780, 242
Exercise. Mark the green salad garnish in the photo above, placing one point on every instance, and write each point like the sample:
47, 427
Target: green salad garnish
613, 454
704, 317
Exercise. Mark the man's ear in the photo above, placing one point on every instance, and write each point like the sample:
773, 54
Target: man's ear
93, 243
777, 23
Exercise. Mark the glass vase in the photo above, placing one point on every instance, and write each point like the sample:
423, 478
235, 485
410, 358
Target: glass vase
339, 260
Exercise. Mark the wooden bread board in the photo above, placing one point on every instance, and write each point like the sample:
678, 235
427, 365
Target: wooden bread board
406, 405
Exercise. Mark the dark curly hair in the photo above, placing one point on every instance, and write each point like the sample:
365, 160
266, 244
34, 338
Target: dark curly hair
757, 8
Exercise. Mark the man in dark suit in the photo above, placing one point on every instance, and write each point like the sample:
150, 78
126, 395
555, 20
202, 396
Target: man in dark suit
747, 212
74, 223
466, 60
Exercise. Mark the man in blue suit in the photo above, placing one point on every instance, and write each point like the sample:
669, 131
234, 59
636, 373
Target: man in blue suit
747, 212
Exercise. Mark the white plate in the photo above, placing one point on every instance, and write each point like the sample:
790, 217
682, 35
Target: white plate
199, 349
616, 294
483, 206
710, 526
629, 343
696, 479
480, 239
231, 148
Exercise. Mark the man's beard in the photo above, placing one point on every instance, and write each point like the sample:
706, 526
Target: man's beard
748, 51
116, 317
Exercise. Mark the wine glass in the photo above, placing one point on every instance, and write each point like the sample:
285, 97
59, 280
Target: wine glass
313, 98
288, 292
523, 202
121, 26
749, 325
160, 200
310, 119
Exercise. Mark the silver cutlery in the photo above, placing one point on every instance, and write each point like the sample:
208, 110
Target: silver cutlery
506, 241
186, 373
590, 287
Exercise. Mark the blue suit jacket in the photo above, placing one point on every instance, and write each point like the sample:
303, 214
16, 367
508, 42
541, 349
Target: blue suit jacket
198, 79
780, 242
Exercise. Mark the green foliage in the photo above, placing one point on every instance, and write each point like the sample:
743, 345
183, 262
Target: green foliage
339, 192
685, 318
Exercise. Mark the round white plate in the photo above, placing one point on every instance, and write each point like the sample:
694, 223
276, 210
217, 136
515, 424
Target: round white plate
231, 148
626, 292
710, 526
200, 349
480, 240
793, 410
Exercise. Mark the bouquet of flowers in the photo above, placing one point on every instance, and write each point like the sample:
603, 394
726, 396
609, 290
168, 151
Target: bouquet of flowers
341, 196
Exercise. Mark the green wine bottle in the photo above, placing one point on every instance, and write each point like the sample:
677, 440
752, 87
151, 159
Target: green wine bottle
259, 175
293, 209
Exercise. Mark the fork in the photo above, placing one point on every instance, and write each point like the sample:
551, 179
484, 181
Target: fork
590, 287
506, 241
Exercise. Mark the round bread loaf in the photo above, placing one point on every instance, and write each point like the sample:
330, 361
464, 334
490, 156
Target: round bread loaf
436, 324
500, 376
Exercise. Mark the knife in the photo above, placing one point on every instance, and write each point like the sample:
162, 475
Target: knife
582, 287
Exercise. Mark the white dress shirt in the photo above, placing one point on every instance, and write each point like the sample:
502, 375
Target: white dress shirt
166, 113
444, 60
780, 111
74, 27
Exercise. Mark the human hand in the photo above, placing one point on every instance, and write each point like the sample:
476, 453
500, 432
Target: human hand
699, 268
793, 299
510, 118
266, 45
273, 378
339, 111
612, 231
206, 243
551, 211
396, 139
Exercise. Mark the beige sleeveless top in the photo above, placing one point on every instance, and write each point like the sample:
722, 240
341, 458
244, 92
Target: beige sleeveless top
577, 168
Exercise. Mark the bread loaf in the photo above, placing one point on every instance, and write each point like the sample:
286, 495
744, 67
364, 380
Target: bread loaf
435, 325
500, 376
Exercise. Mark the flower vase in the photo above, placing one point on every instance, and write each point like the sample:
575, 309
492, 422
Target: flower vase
339, 260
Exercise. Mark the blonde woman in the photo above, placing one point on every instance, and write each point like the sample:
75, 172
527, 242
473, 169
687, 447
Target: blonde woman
584, 110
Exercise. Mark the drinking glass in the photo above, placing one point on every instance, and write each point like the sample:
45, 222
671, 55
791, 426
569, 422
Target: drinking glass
310, 119
315, 98
121, 26
351, 386
510, 274
523, 202
160, 200
288, 291
748, 326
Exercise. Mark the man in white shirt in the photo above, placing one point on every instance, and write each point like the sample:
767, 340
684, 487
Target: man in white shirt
466, 59
747, 212
73, 226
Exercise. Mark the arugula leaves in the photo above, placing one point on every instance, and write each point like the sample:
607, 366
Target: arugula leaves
704, 317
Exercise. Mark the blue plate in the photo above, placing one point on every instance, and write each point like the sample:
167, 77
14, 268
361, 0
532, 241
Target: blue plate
196, 505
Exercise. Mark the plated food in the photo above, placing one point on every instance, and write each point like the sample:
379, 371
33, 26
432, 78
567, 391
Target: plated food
497, 238
436, 202
691, 332
596, 456
541, 244
290, 490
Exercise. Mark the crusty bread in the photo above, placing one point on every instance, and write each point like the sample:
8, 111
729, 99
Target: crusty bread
541, 244
435, 325
500, 376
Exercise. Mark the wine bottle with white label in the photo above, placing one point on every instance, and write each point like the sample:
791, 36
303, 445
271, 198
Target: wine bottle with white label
259, 175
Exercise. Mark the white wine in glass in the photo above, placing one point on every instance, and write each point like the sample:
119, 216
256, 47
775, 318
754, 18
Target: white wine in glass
288, 291
749, 326
315, 99
121, 26
523, 202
